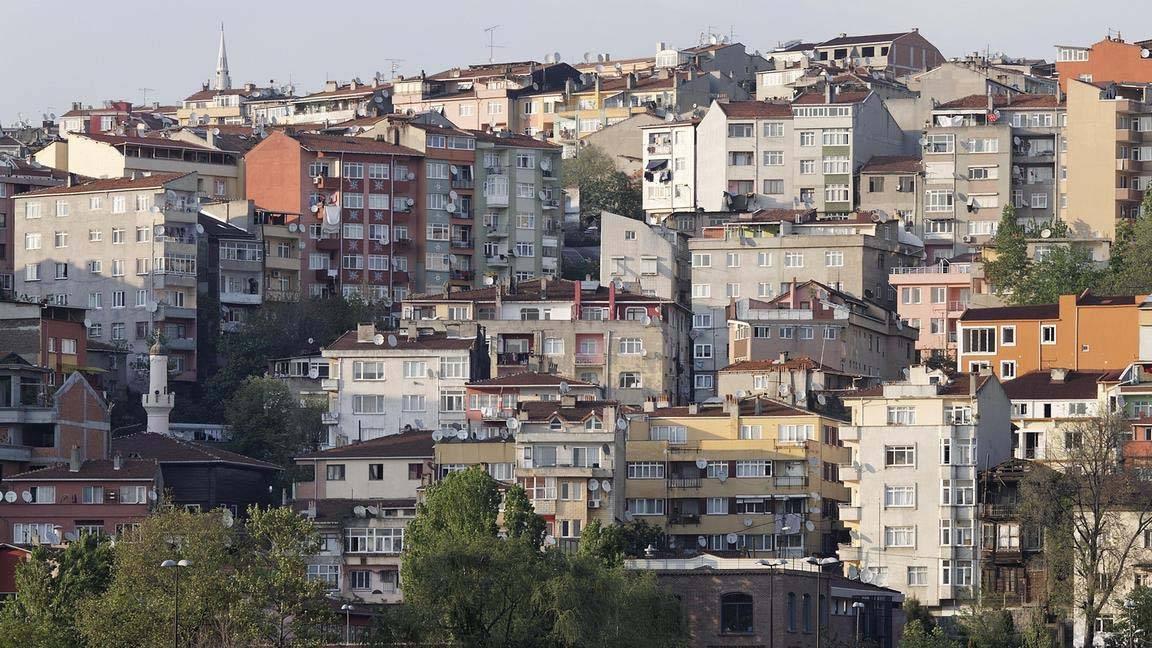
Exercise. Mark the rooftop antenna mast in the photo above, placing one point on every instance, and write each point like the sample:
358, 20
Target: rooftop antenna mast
492, 46
144, 92
394, 64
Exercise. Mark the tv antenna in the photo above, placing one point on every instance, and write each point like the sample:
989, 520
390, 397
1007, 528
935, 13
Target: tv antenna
492, 46
144, 92
394, 65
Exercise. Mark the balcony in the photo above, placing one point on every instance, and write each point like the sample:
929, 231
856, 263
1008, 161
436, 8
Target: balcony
463, 244
496, 413
1125, 164
850, 472
685, 519
499, 169
329, 418
499, 261
326, 182
660, 149
1125, 193
461, 215
496, 200
402, 244
496, 233
15, 453
786, 481
848, 553
953, 268
324, 274
549, 204
328, 245
849, 513
252, 299
683, 482
330, 384
462, 275
957, 306
1127, 135
463, 184
181, 344
589, 359
515, 359
998, 511
282, 295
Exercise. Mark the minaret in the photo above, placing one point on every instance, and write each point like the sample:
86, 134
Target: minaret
157, 400
223, 81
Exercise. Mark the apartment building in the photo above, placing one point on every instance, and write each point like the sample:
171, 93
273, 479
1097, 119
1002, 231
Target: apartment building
749, 475
1080, 332
218, 173
17, 176
651, 259
231, 106
893, 185
917, 447
339, 102
1045, 402
984, 152
361, 497
126, 249
900, 53
669, 163
1111, 59
360, 202
745, 149
1013, 565
57, 504
520, 209
780, 247
635, 346
109, 116
621, 140
811, 319
1109, 148
283, 240
791, 380
413, 379
931, 300
47, 336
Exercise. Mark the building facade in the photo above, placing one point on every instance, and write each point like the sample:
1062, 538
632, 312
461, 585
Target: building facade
651, 259
17, 176
931, 300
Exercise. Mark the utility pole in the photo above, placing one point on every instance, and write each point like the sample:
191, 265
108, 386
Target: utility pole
492, 46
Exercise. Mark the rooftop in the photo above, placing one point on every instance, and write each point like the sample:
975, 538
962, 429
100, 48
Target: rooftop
170, 450
842, 97
892, 164
863, 39
756, 110
120, 140
337, 144
542, 411
753, 406
417, 443
93, 469
336, 509
958, 385
529, 379
508, 138
802, 362
1043, 311
1011, 100
154, 181
1077, 385
429, 342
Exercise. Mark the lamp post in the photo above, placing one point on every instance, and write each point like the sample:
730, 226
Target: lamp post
857, 607
347, 610
176, 566
820, 564
772, 565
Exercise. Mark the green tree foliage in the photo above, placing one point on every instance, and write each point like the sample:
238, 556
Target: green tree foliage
268, 422
51, 584
234, 593
469, 580
914, 610
917, 635
1064, 271
612, 544
988, 628
1134, 620
1132, 254
602, 187
1010, 266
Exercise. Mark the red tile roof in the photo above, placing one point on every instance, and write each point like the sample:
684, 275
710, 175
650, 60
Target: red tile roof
529, 379
166, 449
756, 110
118, 140
1077, 385
540, 411
488, 70
844, 97
979, 101
92, 470
508, 138
154, 181
416, 444
892, 164
435, 341
959, 385
336, 144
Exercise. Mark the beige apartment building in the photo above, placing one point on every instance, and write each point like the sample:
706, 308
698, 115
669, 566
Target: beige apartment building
126, 250
745, 153
651, 259
762, 254
635, 346
791, 380
1109, 154
917, 447
749, 475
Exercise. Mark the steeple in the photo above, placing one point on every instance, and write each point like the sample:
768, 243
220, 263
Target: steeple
223, 81
158, 401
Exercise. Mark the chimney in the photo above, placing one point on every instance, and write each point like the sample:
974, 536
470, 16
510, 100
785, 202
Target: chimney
649, 405
413, 333
612, 300
630, 80
829, 92
693, 408
249, 87
783, 357
117, 461
662, 400
732, 406
74, 461
576, 299
210, 136
568, 400
1058, 375
365, 332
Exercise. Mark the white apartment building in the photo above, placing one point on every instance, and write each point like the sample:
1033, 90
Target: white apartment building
917, 448
1044, 403
382, 384
651, 259
669, 154
125, 249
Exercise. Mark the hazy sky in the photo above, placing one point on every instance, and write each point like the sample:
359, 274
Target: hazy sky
60, 52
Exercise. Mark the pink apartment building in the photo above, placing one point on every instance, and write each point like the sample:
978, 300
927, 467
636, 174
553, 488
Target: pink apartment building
932, 299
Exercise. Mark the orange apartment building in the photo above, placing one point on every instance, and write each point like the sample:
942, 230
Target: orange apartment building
360, 202
1111, 59
1080, 332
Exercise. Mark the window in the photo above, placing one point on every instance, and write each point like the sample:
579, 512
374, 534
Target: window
899, 456
754, 468
31, 240
702, 320
837, 165
412, 403
118, 331
415, 369
793, 259
773, 129
836, 193
645, 506
630, 380
452, 401
631, 346
368, 370
740, 130
773, 158
334, 472
93, 495
833, 258
1007, 369
750, 432
454, 367
669, 433
702, 351
646, 470
61, 239
741, 158
1039, 201
901, 415
900, 536
980, 340
701, 260
61, 270
716, 506
938, 201
704, 381
833, 137
1048, 334
940, 143
899, 496
378, 540
736, 613
794, 433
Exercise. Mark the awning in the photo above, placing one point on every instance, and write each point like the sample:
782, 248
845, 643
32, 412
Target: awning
656, 165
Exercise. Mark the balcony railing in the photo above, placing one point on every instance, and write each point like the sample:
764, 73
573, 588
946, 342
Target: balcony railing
463, 184
463, 243
685, 518
589, 358
512, 359
952, 268
463, 275
684, 482
957, 305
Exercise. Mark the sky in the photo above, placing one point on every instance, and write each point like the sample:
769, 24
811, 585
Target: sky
68, 51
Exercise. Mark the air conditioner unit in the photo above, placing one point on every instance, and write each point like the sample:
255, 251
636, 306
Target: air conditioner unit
593, 504
967, 238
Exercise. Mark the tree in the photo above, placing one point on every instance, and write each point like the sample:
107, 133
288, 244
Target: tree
1132, 254
50, 585
1135, 618
1063, 271
268, 422
602, 187
914, 610
612, 544
1093, 508
988, 628
1010, 265
917, 635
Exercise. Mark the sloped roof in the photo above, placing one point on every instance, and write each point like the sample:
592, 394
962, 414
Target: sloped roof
756, 110
166, 449
959, 385
434, 341
1077, 385
417, 444
512, 139
1032, 312
337, 144
93, 469
529, 379
863, 39
842, 97
154, 181
979, 101
892, 164
336, 509
539, 411
118, 140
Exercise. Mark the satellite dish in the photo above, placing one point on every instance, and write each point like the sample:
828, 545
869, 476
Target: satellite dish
866, 575
392, 341
809, 525
378, 339
621, 424
155, 209
291, 227
701, 463
10, 496
647, 320
545, 164
228, 521
587, 59
550, 540
853, 572
52, 536
748, 522
1145, 53
814, 461
437, 435
541, 195
740, 393
606, 486
814, 495
159, 229
315, 208
450, 208
1045, 233
564, 387
702, 541
723, 477
555, 57
410, 201
314, 373
152, 496
452, 194
1016, 141
462, 435
152, 307
822, 399
731, 538
593, 485
87, 323
813, 509
374, 511
359, 511
512, 423
26, 496
71, 536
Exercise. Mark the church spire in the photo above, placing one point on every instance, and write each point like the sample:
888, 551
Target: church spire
223, 81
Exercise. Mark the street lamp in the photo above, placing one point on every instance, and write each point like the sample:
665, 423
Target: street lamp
820, 564
176, 565
857, 607
772, 565
347, 610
